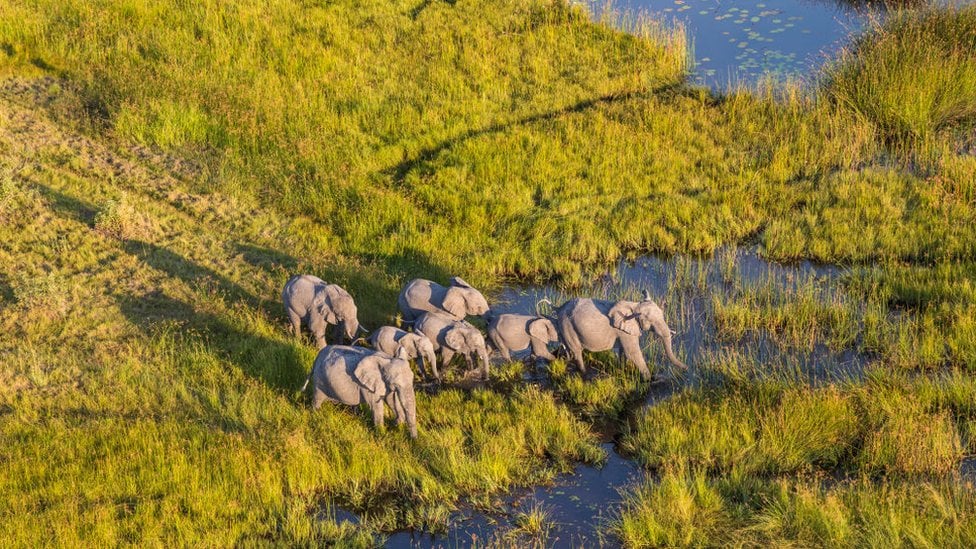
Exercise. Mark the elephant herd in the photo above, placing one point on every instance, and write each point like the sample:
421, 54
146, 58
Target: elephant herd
436, 316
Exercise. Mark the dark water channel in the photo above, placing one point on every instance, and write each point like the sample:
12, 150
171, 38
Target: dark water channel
579, 503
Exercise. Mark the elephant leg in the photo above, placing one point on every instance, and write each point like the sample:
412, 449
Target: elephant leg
318, 327
378, 411
500, 346
446, 356
296, 322
318, 399
541, 350
632, 351
575, 349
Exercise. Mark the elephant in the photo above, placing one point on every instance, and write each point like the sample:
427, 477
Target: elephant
597, 325
319, 304
353, 375
388, 339
511, 332
452, 337
456, 302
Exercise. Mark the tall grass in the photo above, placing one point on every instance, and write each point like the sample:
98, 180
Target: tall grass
685, 508
913, 76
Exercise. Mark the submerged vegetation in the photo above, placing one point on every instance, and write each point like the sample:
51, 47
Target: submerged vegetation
165, 166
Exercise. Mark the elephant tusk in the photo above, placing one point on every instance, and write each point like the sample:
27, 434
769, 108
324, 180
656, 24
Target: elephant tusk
674, 333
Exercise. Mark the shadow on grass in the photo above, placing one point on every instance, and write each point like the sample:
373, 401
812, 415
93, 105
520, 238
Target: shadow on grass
400, 170
68, 206
278, 364
267, 259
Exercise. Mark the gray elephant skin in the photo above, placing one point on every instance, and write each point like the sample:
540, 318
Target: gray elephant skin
452, 337
319, 304
597, 325
353, 375
417, 346
456, 301
512, 332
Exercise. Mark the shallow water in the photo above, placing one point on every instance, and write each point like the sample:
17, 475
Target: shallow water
580, 502
739, 41
576, 504
685, 288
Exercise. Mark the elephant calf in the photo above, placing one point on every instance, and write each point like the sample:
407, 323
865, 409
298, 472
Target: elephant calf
453, 337
510, 332
353, 375
319, 304
389, 339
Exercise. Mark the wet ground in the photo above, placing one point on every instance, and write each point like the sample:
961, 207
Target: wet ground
579, 503
576, 505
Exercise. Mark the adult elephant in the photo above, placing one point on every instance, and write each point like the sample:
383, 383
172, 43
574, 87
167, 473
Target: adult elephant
452, 337
456, 301
310, 299
597, 325
353, 375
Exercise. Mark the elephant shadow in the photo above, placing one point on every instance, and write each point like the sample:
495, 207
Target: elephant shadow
68, 206
278, 363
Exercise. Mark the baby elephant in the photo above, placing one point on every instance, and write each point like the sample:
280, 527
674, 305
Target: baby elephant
319, 304
389, 339
454, 337
510, 332
352, 375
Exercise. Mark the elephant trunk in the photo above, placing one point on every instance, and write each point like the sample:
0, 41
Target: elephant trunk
669, 352
351, 326
483, 357
409, 403
430, 363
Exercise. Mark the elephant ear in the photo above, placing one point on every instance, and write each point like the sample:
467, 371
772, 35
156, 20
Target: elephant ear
368, 374
459, 282
454, 302
541, 328
454, 338
343, 306
402, 353
324, 306
622, 318
414, 342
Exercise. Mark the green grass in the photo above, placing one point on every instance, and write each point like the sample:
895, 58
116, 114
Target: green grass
687, 508
164, 167
913, 76
881, 426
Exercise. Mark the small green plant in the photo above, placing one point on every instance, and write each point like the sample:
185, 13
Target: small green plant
117, 218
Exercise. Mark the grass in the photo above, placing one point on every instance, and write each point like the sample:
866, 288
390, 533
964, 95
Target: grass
881, 426
687, 508
913, 76
165, 167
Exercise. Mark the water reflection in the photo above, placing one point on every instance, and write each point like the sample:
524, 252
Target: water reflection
741, 41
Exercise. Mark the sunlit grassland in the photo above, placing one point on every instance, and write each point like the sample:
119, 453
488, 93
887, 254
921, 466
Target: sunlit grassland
164, 166
913, 77
516, 140
149, 385
688, 508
